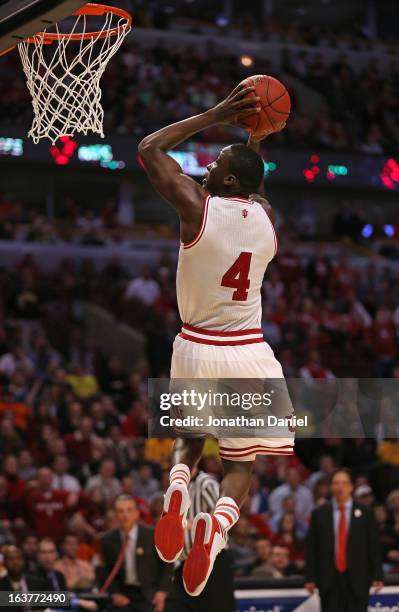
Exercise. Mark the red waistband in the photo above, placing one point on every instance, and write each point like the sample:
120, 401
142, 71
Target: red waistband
221, 338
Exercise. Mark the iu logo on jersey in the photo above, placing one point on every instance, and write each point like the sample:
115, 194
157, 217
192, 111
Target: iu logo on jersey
245, 213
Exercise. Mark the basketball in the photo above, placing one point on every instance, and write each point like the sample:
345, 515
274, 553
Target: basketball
275, 104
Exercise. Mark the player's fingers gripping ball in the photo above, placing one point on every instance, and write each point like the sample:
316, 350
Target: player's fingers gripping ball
274, 102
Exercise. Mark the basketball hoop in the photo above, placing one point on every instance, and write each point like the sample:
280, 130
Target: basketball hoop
64, 69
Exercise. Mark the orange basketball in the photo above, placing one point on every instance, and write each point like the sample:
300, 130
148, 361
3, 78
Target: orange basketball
275, 104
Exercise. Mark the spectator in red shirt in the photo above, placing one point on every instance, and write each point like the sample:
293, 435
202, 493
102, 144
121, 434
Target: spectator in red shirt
383, 343
314, 369
142, 505
288, 538
47, 510
289, 264
16, 486
79, 443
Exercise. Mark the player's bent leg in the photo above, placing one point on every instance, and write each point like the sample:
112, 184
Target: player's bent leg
209, 532
236, 480
169, 532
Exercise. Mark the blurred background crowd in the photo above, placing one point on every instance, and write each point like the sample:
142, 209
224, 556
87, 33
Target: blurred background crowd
73, 413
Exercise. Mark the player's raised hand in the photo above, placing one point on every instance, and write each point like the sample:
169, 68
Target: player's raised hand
237, 103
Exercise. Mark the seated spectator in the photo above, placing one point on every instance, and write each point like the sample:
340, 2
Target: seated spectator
106, 480
16, 486
259, 502
83, 383
63, 481
79, 575
145, 484
280, 562
16, 578
10, 441
314, 369
47, 556
321, 491
326, 468
103, 414
143, 288
263, 567
302, 495
15, 360
242, 546
114, 380
30, 545
386, 534
287, 537
79, 443
364, 495
128, 488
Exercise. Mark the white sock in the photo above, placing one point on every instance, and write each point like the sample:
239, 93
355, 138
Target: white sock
226, 512
180, 473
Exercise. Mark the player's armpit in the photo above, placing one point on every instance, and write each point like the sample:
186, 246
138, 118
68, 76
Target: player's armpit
166, 176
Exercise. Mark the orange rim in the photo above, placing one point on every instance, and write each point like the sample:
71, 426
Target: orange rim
88, 9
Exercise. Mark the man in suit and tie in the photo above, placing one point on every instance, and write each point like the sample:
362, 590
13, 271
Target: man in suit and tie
137, 579
17, 580
343, 557
55, 581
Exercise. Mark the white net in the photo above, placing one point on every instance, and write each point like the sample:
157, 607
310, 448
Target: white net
64, 77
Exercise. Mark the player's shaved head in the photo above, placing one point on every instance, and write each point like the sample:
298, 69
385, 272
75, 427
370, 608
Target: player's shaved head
246, 165
238, 170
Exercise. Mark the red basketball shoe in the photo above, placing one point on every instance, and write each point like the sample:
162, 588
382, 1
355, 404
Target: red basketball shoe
208, 541
169, 532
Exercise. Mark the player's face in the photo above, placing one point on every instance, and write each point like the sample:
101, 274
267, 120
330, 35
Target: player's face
214, 180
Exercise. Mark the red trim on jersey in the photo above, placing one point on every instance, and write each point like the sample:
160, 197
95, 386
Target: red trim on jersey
188, 245
237, 199
242, 448
262, 450
211, 332
221, 342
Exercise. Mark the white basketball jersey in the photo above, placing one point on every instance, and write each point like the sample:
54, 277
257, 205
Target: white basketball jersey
220, 273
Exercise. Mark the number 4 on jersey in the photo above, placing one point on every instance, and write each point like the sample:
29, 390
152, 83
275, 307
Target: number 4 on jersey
237, 277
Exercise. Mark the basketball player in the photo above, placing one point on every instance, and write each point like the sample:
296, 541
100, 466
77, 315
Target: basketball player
227, 241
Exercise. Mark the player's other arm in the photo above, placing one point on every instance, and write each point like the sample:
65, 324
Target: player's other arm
260, 196
165, 173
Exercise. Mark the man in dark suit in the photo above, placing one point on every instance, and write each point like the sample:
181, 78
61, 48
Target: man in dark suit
137, 579
55, 580
17, 580
343, 557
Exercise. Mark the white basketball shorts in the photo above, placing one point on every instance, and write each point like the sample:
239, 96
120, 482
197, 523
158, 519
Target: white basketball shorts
194, 359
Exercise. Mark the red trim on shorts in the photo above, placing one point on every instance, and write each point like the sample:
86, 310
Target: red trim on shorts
221, 342
226, 448
261, 451
212, 332
188, 245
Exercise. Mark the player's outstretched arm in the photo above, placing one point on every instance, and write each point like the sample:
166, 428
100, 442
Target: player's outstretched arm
165, 174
